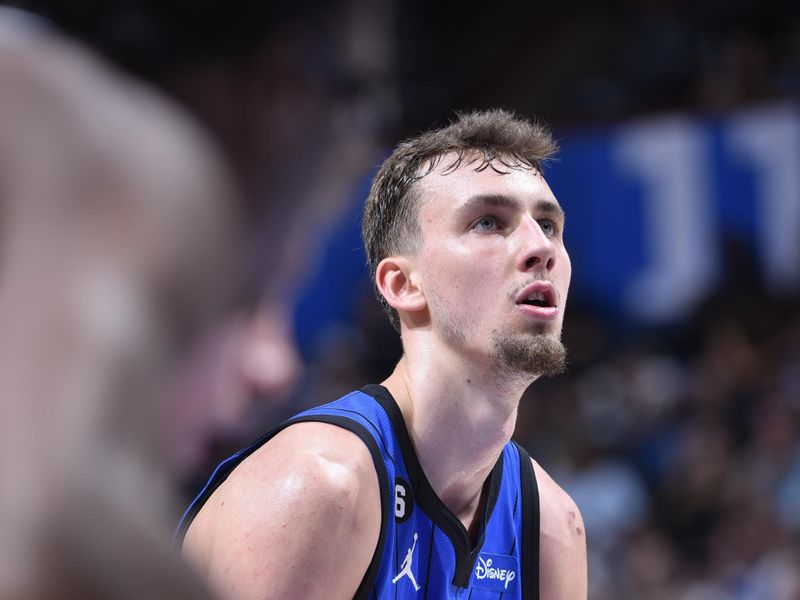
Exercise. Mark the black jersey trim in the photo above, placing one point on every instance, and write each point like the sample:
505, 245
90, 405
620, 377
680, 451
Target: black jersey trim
530, 526
226, 467
377, 429
466, 554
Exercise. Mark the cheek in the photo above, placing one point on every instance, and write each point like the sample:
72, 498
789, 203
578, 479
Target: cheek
468, 275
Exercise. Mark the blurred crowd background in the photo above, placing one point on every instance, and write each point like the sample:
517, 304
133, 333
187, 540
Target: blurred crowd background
677, 427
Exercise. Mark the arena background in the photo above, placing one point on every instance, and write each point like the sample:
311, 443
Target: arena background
676, 428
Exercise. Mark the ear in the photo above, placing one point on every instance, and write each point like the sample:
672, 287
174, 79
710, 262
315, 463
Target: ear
395, 281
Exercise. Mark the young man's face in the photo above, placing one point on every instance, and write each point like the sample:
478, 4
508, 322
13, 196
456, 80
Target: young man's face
493, 266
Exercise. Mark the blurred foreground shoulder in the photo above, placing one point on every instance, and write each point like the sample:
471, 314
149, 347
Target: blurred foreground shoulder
562, 568
299, 518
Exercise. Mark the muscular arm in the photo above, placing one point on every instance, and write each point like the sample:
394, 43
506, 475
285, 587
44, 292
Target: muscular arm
300, 518
562, 567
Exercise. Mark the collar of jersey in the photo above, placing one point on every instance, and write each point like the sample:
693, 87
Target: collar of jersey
429, 501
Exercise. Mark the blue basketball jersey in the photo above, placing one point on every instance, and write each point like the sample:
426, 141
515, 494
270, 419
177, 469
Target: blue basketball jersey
424, 551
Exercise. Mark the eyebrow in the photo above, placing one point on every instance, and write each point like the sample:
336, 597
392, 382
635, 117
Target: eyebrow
504, 201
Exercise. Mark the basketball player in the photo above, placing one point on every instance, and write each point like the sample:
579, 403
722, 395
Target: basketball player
412, 488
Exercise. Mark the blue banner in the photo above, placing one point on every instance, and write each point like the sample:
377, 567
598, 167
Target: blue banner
649, 204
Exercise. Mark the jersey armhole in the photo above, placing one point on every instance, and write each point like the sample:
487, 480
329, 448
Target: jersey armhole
530, 526
227, 466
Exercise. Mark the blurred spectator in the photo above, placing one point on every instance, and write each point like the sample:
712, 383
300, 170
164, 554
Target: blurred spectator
119, 245
298, 97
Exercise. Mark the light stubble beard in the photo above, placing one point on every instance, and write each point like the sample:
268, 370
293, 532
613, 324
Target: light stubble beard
537, 353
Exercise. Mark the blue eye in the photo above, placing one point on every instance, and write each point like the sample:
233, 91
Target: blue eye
485, 224
549, 228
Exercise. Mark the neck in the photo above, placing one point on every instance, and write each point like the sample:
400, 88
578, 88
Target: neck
459, 417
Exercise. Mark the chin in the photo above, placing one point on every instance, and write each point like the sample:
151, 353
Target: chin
537, 353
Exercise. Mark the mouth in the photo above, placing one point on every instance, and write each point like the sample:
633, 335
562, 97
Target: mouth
539, 301
539, 293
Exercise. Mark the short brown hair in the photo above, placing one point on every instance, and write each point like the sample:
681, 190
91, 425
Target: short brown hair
490, 139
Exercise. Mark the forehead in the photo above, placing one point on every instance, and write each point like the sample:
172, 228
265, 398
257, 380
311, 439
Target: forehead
445, 189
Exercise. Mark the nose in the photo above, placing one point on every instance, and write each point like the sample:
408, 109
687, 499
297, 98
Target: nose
537, 250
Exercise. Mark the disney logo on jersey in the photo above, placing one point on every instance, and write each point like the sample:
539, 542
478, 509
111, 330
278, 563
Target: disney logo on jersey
495, 572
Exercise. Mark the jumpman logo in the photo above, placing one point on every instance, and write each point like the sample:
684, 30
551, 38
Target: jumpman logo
406, 566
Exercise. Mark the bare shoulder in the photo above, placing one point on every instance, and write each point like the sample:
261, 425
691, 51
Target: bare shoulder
563, 570
277, 527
